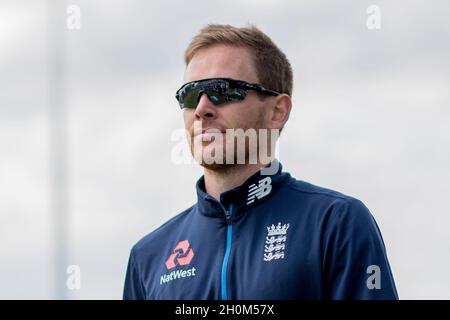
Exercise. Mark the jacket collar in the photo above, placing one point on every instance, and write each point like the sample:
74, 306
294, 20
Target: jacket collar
256, 189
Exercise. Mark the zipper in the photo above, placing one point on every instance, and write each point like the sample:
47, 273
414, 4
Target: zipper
226, 257
228, 215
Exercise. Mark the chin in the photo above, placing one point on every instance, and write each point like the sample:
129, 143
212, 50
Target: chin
217, 166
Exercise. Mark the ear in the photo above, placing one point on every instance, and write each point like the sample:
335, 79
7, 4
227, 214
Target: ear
281, 108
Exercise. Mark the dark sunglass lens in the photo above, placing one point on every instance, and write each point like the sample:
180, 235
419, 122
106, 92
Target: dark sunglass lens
219, 91
236, 94
216, 98
191, 99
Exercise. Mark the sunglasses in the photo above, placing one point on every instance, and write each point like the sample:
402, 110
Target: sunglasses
218, 90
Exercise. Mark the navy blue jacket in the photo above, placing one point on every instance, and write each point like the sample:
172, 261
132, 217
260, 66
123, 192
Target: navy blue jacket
273, 237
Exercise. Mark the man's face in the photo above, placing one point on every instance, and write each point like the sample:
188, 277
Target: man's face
222, 61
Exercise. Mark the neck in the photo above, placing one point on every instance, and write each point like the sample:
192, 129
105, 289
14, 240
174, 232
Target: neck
219, 181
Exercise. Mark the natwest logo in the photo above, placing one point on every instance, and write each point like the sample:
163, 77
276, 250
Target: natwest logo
181, 255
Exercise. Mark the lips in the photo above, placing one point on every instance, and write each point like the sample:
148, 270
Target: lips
208, 130
213, 130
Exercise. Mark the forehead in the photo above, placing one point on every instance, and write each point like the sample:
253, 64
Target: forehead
221, 61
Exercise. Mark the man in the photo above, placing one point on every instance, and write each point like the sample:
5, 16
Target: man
255, 231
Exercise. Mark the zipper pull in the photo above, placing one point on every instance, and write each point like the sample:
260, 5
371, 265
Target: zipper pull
228, 217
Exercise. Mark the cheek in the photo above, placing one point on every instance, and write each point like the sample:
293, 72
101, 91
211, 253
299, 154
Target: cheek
188, 118
245, 116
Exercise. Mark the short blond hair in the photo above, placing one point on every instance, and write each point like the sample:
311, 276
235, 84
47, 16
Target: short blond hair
272, 66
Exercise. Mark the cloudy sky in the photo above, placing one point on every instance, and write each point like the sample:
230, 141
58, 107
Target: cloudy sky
370, 118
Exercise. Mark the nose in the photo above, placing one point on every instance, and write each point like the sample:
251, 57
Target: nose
205, 109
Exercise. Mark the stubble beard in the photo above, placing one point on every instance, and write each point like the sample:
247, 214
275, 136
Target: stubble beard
202, 152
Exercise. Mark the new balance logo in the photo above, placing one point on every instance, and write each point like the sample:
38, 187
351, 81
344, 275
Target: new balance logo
259, 191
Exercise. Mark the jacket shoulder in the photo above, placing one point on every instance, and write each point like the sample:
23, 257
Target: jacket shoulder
328, 200
312, 190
